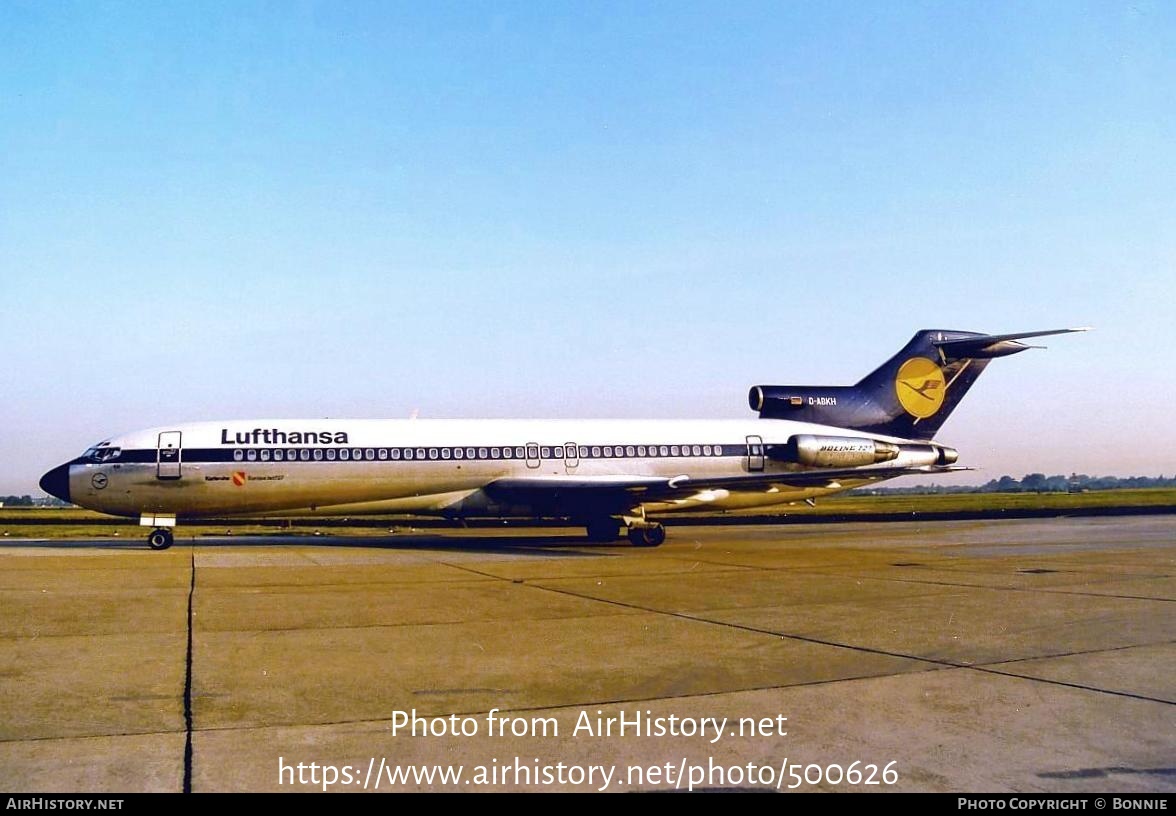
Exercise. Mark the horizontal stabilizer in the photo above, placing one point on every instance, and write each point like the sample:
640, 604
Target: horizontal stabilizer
987, 346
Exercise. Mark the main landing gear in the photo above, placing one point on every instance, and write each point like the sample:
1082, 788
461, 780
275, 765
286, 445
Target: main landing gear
640, 533
160, 539
647, 535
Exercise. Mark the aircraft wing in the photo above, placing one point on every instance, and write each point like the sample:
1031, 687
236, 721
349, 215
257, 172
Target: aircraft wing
598, 491
825, 477
619, 494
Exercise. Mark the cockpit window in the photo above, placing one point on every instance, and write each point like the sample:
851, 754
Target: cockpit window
101, 453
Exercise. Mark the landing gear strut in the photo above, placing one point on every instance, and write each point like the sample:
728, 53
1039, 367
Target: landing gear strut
160, 539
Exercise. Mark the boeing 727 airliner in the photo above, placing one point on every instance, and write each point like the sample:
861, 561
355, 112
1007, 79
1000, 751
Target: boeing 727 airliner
809, 441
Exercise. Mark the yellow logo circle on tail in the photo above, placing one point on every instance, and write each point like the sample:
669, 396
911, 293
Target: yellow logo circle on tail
920, 387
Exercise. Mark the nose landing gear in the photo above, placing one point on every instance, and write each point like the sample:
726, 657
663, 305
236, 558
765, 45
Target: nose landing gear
160, 539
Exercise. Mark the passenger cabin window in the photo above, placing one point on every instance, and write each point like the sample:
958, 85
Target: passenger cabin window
344, 453
251, 455
238, 455
265, 454
318, 454
304, 454
331, 454
369, 454
279, 455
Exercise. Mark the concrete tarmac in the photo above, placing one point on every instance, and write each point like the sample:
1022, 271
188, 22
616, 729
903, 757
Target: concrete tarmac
1010, 656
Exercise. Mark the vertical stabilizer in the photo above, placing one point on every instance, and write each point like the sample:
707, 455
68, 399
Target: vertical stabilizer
910, 395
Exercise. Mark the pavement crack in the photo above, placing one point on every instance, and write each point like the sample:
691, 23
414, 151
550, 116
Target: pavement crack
188, 680
931, 661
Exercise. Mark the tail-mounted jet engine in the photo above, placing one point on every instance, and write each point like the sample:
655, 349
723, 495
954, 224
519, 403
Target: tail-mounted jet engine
814, 450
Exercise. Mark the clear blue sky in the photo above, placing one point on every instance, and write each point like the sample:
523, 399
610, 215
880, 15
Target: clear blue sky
583, 209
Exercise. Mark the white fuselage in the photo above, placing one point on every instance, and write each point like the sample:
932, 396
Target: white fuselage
429, 466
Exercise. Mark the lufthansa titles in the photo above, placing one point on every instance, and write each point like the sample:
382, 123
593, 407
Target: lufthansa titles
277, 436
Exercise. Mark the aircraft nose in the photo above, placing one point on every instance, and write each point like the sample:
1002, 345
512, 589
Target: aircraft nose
56, 482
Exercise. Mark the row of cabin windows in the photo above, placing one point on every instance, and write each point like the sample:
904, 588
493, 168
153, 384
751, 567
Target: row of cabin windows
519, 452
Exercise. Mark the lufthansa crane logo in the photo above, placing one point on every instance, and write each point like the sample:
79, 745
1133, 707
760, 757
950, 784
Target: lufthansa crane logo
920, 387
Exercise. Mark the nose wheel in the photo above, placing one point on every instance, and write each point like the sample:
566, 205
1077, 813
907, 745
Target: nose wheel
160, 539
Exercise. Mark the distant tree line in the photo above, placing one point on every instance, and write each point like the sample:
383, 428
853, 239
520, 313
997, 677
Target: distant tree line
1038, 483
29, 501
